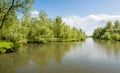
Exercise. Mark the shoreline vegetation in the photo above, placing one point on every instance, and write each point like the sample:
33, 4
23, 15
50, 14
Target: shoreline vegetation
16, 32
109, 32
6, 46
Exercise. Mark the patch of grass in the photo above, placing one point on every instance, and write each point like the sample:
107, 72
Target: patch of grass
6, 46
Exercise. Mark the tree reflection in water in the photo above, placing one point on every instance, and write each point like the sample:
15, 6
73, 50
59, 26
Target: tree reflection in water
35, 57
112, 48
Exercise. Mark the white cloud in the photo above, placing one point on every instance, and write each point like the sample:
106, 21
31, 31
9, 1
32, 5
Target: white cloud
34, 12
89, 23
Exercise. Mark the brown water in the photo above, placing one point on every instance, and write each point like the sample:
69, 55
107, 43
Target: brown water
91, 56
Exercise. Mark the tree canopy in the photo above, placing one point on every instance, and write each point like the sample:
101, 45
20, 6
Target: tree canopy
109, 32
9, 8
38, 30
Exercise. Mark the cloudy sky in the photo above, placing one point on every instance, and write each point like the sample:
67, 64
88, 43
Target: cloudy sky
85, 14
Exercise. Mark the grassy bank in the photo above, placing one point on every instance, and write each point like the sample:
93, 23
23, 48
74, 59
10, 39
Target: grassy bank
6, 46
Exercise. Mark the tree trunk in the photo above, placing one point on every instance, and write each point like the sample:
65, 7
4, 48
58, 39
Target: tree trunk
4, 17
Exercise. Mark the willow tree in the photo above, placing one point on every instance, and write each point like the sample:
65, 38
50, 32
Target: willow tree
57, 27
9, 6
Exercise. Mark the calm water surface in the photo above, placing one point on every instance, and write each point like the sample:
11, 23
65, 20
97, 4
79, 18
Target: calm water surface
91, 56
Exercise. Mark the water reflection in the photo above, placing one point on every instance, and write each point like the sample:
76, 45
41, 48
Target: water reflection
36, 58
91, 56
111, 48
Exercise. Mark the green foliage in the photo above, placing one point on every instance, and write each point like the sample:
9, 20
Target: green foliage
115, 36
31, 30
6, 46
38, 30
110, 32
98, 32
45, 30
10, 8
109, 25
106, 36
117, 25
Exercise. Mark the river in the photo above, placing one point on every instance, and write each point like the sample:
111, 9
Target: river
90, 56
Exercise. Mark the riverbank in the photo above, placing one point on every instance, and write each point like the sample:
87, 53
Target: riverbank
6, 46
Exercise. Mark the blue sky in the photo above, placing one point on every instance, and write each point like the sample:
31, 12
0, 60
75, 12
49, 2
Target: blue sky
85, 11
77, 7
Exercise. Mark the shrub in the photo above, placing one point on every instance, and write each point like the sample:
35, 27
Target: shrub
6, 46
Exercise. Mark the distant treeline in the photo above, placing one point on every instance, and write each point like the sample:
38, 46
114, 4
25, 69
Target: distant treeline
109, 32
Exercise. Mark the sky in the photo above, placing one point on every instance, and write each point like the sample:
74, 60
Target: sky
85, 14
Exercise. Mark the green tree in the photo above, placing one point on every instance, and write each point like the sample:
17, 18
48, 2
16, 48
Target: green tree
117, 24
109, 25
9, 6
106, 36
97, 32
57, 27
115, 37
109, 32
